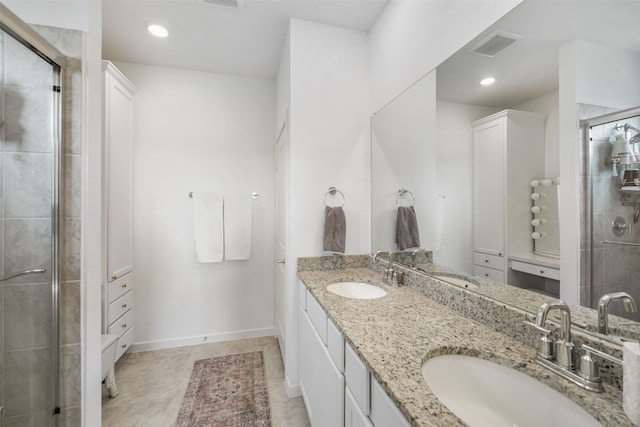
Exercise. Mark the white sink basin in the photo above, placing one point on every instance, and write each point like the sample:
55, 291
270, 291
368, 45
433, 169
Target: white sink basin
456, 281
357, 290
483, 393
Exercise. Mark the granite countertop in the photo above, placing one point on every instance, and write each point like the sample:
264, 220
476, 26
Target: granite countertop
394, 335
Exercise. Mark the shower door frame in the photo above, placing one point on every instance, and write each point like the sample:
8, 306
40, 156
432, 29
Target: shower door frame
27, 36
587, 231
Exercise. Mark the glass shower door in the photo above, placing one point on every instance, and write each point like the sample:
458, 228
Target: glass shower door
29, 95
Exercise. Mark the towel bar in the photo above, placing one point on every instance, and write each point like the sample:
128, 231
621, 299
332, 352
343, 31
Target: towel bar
332, 191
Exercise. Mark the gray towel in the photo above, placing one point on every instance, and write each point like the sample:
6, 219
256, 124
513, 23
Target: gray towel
407, 235
335, 229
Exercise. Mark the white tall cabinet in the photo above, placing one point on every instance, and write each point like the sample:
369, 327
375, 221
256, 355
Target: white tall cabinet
508, 152
117, 206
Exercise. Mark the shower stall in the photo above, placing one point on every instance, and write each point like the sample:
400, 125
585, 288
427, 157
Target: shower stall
611, 226
31, 75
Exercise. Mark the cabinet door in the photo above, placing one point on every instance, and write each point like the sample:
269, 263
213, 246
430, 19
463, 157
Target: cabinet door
307, 363
329, 410
488, 187
118, 153
353, 415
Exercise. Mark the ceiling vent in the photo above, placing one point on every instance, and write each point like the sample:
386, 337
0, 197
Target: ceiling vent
233, 4
495, 43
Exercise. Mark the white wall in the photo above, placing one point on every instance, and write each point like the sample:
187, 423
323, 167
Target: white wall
454, 170
197, 131
72, 15
411, 38
548, 105
328, 96
590, 74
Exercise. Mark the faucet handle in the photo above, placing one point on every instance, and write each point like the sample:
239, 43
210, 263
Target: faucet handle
589, 366
545, 344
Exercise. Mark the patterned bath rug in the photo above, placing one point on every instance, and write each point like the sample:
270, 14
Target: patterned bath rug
227, 391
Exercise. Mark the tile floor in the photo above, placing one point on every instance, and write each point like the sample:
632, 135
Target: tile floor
152, 384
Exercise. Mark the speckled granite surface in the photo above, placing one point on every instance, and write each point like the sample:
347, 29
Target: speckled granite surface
395, 334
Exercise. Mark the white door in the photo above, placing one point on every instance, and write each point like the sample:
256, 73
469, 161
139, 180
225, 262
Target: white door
282, 147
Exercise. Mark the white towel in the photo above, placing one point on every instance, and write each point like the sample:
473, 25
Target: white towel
207, 226
238, 229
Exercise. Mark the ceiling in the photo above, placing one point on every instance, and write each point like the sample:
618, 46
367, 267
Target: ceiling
529, 67
246, 41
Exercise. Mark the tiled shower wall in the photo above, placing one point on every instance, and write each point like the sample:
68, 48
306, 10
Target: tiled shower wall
25, 220
613, 268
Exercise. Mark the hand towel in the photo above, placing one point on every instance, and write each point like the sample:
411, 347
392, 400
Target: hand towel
238, 227
335, 229
407, 235
207, 226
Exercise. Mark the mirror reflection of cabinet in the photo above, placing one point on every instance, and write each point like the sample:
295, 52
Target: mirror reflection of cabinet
508, 151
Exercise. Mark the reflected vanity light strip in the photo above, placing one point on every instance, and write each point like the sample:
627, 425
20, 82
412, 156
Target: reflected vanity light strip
254, 195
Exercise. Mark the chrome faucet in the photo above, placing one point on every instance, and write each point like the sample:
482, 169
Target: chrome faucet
390, 276
561, 358
603, 308
413, 256
564, 346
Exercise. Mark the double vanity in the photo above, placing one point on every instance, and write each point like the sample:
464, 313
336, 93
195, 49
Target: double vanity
429, 351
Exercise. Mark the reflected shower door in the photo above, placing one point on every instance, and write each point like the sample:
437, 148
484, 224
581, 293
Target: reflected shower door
615, 210
28, 206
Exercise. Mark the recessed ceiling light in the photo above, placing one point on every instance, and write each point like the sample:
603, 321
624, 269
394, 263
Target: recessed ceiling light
488, 81
158, 30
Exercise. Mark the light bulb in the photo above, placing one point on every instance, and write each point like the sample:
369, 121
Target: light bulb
535, 196
535, 183
158, 30
535, 222
535, 209
535, 235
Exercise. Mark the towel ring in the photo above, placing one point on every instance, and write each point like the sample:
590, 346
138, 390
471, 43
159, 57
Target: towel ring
332, 191
402, 193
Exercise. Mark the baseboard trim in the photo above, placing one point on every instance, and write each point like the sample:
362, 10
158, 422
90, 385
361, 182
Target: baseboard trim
202, 339
293, 390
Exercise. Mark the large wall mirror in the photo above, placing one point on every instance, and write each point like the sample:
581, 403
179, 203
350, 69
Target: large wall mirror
434, 157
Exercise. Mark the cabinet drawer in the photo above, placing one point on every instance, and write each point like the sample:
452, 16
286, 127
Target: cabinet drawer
335, 345
318, 317
383, 411
119, 307
489, 261
124, 343
353, 415
489, 273
538, 270
121, 325
357, 378
302, 295
119, 287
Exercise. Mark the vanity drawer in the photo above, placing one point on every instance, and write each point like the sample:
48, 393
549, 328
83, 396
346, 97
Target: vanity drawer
124, 343
356, 376
119, 307
318, 317
302, 295
121, 325
383, 411
119, 287
538, 270
489, 273
335, 345
490, 261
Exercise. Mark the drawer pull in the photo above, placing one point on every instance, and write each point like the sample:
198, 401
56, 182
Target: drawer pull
114, 277
123, 346
486, 274
541, 271
124, 325
124, 305
124, 285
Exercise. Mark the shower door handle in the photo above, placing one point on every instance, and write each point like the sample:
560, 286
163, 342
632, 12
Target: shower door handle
22, 273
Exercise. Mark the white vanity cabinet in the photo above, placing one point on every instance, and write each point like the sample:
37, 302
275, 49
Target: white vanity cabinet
336, 385
508, 152
321, 380
117, 202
